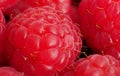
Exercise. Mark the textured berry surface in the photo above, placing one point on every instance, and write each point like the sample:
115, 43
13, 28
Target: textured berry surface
17, 8
2, 37
42, 37
93, 65
68, 71
100, 25
8, 71
67, 6
98, 65
2, 20
5, 4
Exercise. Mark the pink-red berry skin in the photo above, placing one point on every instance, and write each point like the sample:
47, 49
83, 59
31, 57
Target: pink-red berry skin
67, 71
42, 37
99, 24
32, 68
5, 4
67, 6
17, 8
2, 38
93, 65
9, 71
98, 65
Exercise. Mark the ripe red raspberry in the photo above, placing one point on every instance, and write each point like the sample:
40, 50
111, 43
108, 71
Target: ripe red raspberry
98, 65
8, 71
100, 25
43, 37
2, 38
93, 65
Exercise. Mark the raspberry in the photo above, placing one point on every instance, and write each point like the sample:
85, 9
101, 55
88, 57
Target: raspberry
98, 65
8, 71
42, 37
93, 65
99, 24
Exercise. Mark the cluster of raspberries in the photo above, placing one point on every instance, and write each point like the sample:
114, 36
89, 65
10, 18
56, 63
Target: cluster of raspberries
50, 37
